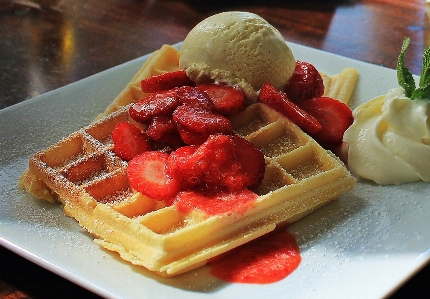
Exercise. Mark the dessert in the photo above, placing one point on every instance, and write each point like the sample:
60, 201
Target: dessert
389, 139
159, 210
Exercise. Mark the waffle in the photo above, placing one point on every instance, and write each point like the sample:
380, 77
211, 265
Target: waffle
340, 86
83, 173
90, 181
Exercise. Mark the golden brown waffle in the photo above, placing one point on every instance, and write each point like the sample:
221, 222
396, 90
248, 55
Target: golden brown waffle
90, 181
341, 86
84, 174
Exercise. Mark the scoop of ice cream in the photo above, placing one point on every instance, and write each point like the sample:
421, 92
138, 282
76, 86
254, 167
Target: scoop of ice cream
389, 140
237, 48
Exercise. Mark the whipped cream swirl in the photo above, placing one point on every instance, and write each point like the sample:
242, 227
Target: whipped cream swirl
389, 141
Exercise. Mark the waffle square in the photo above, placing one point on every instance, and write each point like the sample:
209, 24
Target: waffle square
90, 180
83, 173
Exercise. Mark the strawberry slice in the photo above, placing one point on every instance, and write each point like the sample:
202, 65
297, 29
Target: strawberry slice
209, 167
166, 81
129, 141
334, 116
217, 164
279, 101
228, 100
251, 160
158, 103
146, 174
183, 166
194, 97
200, 122
221, 163
163, 129
305, 83
191, 137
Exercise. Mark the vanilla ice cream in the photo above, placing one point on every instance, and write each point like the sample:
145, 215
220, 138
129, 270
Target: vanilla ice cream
237, 48
389, 141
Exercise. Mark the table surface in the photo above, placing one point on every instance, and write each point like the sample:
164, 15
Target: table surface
48, 44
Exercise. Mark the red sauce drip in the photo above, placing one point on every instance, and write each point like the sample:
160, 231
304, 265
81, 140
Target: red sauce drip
265, 260
215, 203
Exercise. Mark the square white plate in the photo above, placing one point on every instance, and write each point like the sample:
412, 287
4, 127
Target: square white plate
363, 245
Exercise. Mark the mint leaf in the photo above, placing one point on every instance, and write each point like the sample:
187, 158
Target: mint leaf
406, 79
425, 72
421, 93
404, 75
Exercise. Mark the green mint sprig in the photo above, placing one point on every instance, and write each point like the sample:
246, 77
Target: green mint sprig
406, 79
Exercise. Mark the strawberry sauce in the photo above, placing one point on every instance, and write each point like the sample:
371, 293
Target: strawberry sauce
265, 260
217, 203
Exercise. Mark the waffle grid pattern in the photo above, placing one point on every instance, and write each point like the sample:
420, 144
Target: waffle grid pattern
90, 181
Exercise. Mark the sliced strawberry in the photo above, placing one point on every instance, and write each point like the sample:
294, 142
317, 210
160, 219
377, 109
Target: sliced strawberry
201, 122
129, 141
166, 81
208, 167
251, 160
279, 101
191, 137
305, 83
334, 116
216, 159
222, 163
194, 97
158, 103
147, 174
228, 100
163, 129
182, 166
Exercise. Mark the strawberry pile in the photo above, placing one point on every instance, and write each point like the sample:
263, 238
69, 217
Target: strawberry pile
180, 142
302, 101
218, 165
185, 114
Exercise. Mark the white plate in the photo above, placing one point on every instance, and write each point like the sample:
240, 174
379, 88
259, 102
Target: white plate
363, 245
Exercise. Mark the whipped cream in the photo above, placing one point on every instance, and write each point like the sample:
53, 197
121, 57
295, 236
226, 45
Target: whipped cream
389, 141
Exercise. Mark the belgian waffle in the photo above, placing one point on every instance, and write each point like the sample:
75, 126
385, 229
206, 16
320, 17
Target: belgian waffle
84, 174
90, 181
